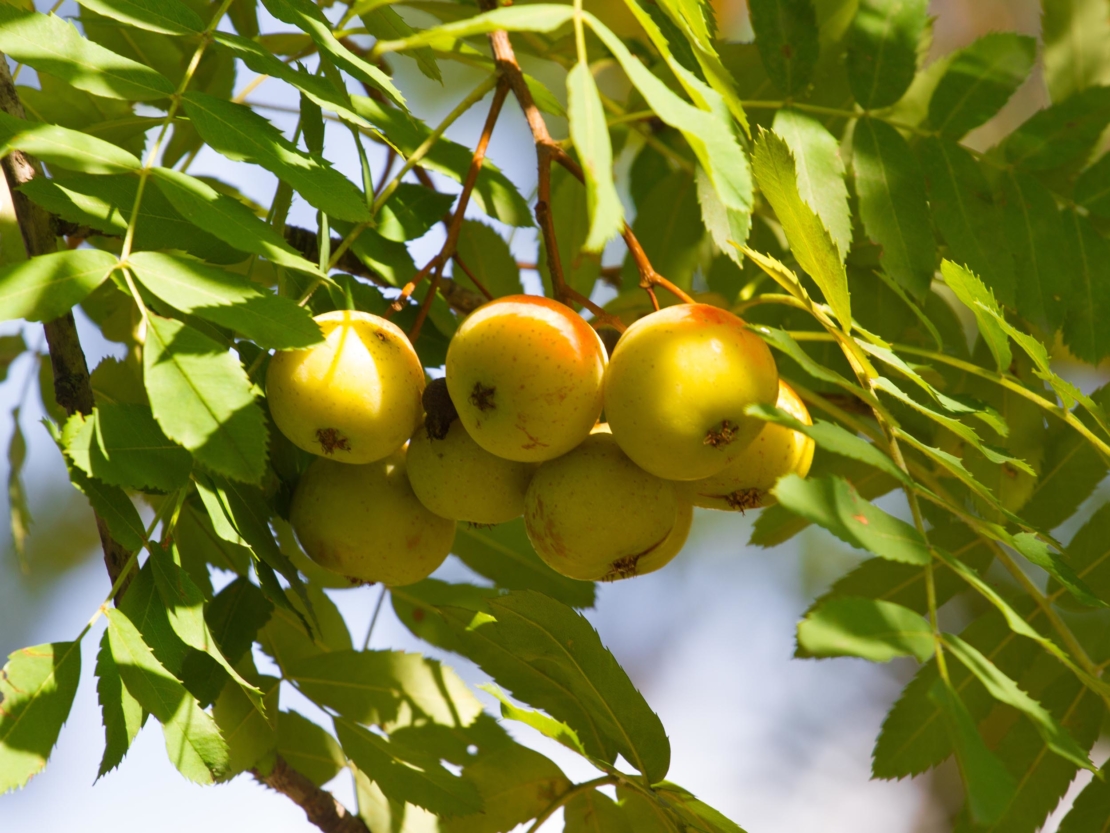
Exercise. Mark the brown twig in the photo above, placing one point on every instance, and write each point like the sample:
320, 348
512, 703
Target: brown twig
474, 280
72, 388
320, 806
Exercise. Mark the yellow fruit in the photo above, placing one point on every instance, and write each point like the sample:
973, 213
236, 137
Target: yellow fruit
662, 555
525, 374
677, 387
775, 452
457, 478
356, 397
593, 514
364, 522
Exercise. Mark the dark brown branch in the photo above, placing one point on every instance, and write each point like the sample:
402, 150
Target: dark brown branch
319, 805
72, 388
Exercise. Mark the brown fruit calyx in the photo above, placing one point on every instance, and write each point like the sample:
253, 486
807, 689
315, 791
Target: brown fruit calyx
722, 436
482, 397
439, 410
332, 440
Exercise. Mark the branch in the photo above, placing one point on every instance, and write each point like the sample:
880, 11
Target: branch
319, 805
72, 388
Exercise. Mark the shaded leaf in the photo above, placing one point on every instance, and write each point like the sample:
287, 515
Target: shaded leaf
487, 258
168, 17
70, 149
786, 34
1061, 135
882, 50
308, 748
411, 211
594, 812
1075, 34
516, 784
1088, 301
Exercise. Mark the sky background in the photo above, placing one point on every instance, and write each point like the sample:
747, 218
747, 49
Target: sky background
779, 745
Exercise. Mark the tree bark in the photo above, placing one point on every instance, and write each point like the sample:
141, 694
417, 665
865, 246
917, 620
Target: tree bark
319, 805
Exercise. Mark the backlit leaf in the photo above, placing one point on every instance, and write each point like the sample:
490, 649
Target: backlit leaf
123, 446
978, 298
1075, 34
590, 135
168, 17
857, 627
47, 286
120, 711
70, 149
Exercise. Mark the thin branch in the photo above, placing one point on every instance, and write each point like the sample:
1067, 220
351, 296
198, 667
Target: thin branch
320, 806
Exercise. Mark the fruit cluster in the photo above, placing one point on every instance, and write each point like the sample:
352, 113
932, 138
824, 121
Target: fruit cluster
513, 430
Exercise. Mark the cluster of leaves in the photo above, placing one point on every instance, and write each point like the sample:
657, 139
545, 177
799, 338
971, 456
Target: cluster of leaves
813, 180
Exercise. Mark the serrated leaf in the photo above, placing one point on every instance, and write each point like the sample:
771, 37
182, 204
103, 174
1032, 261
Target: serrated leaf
69, 149
235, 615
1075, 34
810, 242
978, 298
120, 711
594, 812
37, 686
1089, 552
51, 45
1036, 551
1088, 301
989, 786
416, 606
504, 555
1069, 474
308, 748
728, 227
516, 784
882, 50
424, 783
411, 211
307, 17
193, 740
123, 446
834, 503
965, 213
1062, 135
371, 687
1091, 809
786, 34
226, 299
227, 218
250, 734
875, 630
167, 17
892, 204
695, 814
45, 287
202, 399
590, 134
113, 506
820, 173
557, 730
239, 133
979, 80
385, 24
549, 656
487, 258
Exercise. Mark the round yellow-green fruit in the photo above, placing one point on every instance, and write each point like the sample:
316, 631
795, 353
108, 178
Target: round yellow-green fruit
594, 514
677, 387
662, 555
457, 478
776, 451
525, 374
354, 398
365, 522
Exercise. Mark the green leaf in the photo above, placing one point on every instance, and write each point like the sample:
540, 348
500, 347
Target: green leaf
1005, 690
250, 734
167, 17
810, 242
308, 748
239, 133
727, 226
1075, 34
539, 17
590, 134
37, 686
385, 24
202, 398
786, 34
227, 218
120, 711
53, 46
594, 812
570, 215
286, 638
122, 445
1088, 301
978, 298
416, 606
1062, 135
516, 784
834, 503
487, 258
69, 149
19, 512
1092, 189
550, 657
979, 80
965, 213
424, 783
892, 204
670, 230
697, 815
235, 615
504, 555
989, 786
411, 211
875, 630
1091, 808
882, 50
820, 172
547, 726
1089, 552
371, 686
226, 299
113, 506
193, 740
47, 286
307, 17
1069, 474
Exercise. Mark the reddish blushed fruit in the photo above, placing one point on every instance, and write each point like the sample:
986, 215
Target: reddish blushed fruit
775, 452
356, 397
525, 374
677, 388
594, 514
365, 522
